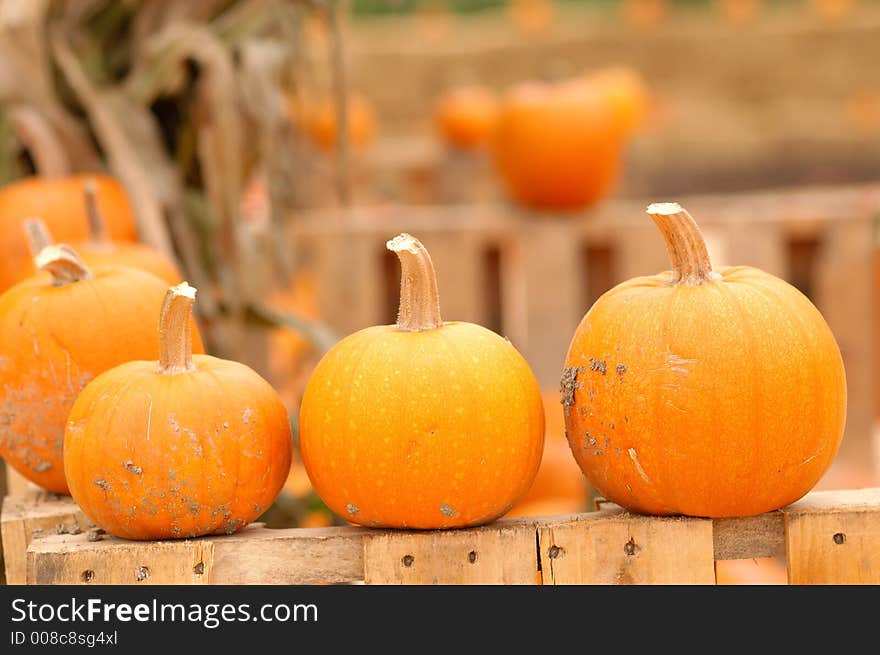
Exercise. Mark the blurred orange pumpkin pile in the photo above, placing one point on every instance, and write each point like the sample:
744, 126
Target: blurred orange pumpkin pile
556, 145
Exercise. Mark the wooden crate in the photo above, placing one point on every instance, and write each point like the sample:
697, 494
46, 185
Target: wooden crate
828, 537
31, 515
531, 277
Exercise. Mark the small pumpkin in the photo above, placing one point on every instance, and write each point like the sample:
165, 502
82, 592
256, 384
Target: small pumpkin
58, 330
186, 446
422, 424
320, 122
58, 202
101, 249
557, 145
703, 392
466, 117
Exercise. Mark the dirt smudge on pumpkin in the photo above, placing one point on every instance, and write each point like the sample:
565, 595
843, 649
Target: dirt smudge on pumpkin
568, 385
131, 467
446, 510
101, 482
621, 369
598, 365
246, 415
233, 526
173, 423
352, 509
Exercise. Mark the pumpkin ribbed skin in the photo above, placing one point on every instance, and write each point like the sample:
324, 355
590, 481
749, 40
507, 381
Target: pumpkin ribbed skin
436, 429
58, 202
725, 398
153, 456
53, 341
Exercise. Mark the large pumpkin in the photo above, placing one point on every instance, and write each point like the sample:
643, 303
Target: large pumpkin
57, 332
703, 392
422, 424
58, 202
186, 446
557, 145
466, 116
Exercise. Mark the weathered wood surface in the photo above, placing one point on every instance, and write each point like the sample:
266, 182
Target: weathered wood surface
26, 517
608, 546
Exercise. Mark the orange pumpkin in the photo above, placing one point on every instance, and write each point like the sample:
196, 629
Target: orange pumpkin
466, 116
626, 94
559, 486
101, 249
321, 122
422, 424
557, 145
58, 201
57, 332
186, 446
703, 392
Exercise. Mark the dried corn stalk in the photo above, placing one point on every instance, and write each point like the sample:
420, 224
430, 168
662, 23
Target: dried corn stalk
184, 102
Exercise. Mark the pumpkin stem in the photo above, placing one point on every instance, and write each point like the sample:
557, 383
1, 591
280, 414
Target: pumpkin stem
97, 227
175, 333
684, 242
63, 263
419, 300
37, 235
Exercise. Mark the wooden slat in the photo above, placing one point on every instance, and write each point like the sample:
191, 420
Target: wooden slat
458, 262
494, 554
623, 548
31, 516
589, 547
845, 296
834, 538
550, 276
750, 537
254, 556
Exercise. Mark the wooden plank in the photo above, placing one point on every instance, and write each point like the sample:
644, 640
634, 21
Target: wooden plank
746, 537
253, 556
749, 537
834, 538
32, 516
551, 276
844, 295
350, 279
623, 548
458, 262
494, 554
298, 556
593, 546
